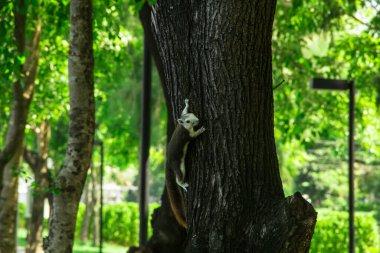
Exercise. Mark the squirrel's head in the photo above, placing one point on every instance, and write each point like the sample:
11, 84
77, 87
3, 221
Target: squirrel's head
188, 121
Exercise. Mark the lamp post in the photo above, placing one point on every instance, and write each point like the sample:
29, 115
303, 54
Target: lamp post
145, 143
100, 144
332, 84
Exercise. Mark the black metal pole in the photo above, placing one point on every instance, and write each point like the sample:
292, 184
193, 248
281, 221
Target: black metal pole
351, 160
327, 84
145, 143
101, 196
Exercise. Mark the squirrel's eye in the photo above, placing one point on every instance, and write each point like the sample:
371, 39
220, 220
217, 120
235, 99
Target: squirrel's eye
187, 121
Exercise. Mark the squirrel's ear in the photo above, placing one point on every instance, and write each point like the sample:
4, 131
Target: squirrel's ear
180, 121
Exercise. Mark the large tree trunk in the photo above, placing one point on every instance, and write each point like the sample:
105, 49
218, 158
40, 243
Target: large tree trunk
72, 176
10, 157
38, 163
218, 54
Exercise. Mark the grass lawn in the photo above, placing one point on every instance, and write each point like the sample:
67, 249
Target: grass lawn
79, 247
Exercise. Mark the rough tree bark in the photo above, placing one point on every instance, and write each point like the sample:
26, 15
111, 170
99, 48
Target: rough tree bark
217, 53
38, 163
72, 176
10, 156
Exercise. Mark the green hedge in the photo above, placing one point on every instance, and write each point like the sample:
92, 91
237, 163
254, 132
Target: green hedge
121, 225
120, 222
331, 233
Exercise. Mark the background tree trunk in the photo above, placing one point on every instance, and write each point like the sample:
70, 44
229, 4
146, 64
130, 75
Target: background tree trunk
17, 122
218, 54
10, 157
88, 211
38, 164
72, 176
8, 202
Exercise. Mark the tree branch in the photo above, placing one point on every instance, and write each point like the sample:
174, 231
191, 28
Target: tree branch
363, 23
22, 96
33, 159
278, 85
17, 120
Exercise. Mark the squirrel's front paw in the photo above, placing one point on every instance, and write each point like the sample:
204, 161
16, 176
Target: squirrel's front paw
184, 186
202, 129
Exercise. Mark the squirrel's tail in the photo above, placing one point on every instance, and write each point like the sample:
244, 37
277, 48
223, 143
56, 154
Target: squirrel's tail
175, 198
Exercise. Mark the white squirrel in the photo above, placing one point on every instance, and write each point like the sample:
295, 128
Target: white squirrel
175, 166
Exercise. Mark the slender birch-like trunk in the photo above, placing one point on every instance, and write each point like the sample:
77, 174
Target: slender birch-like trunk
72, 176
